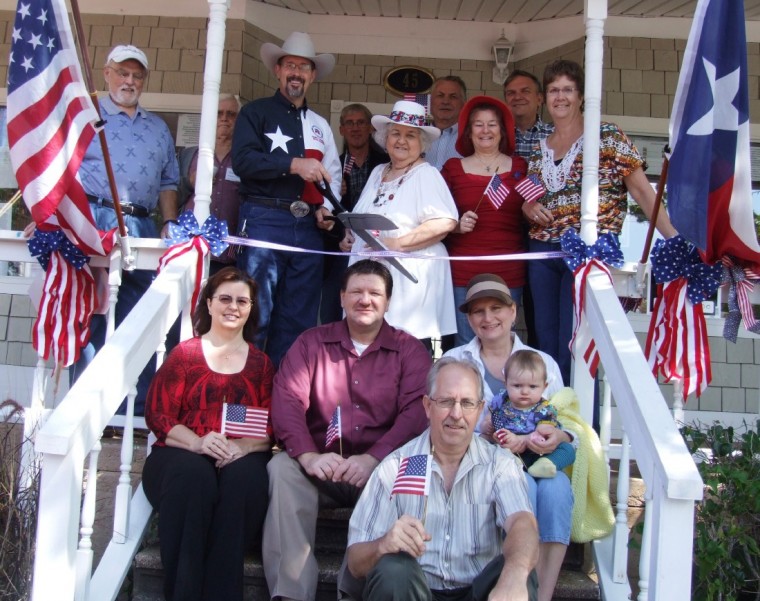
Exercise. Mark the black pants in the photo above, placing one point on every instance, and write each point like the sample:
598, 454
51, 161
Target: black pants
207, 519
399, 577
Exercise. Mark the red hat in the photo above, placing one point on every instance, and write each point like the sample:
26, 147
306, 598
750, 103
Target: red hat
464, 145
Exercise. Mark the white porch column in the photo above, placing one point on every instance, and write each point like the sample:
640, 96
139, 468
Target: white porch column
595, 15
212, 78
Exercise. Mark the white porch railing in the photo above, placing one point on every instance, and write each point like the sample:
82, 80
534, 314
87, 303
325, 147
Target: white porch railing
672, 481
71, 434
69, 444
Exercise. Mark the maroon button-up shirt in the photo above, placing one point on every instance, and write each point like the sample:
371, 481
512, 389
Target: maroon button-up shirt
379, 392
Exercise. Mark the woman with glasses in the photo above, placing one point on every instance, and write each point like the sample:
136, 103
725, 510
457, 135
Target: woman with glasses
491, 312
412, 194
558, 163
207, 472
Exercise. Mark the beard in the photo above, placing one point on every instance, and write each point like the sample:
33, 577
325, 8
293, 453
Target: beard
125, 96
294, 90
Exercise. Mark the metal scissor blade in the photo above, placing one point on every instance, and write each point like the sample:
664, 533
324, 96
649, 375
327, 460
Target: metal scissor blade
375, 244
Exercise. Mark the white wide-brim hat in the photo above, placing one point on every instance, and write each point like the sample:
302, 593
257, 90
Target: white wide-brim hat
406, 112
297, 44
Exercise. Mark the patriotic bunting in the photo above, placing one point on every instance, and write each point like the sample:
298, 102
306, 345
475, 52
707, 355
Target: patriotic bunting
187, 236
741, 281
63, 319
677, 346
581, 260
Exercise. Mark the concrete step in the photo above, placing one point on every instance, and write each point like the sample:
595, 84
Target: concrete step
148, 579
332, 531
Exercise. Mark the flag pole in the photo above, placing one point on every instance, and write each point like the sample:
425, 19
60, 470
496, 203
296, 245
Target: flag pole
652, 222
340, 432
127, 261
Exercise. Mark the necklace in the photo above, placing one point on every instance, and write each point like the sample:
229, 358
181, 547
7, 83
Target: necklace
234, 351
554, 175
489, 166
390, 188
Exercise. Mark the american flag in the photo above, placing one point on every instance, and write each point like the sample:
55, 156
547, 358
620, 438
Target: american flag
413, 476
501, 436
248, 422
423, 99
496, 191
334, 431
50, 121
348, 166
499, 421
530, 188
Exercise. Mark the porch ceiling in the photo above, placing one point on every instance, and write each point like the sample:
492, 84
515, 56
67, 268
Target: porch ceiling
495, 11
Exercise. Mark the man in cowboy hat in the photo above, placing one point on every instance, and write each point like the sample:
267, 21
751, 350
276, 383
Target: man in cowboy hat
280, 150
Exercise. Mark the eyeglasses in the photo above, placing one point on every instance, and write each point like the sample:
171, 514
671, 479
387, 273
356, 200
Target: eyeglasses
557, 91
359, 123
243, 302
303, 67
123, 74
467, 405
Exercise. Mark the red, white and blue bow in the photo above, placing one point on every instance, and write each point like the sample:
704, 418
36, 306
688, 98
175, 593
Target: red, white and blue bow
581, 259
68, 298
741, 281
187, 236
677, 345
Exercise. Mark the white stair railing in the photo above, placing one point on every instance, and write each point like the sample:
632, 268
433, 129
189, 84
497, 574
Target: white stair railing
672, 481
73, 431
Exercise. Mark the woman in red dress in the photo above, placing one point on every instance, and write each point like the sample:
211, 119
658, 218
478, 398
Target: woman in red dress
210, 489
489, 224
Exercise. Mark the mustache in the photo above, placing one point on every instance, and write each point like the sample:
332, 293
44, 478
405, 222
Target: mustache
293, 78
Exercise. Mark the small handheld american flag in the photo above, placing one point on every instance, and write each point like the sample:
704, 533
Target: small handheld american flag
413, 476
334, 429
247, 422
499, 421
496, 191
530, 188
348, 166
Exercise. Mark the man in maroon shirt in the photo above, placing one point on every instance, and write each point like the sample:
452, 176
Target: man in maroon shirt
376, 375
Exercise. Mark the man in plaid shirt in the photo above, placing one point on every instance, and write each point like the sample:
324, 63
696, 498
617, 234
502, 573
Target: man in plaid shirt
523, 95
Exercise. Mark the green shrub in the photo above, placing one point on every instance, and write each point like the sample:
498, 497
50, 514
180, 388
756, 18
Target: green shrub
727, 530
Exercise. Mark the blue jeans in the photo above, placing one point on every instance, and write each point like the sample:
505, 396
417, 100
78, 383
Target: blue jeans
133, 286
552, 502
289, 283
464, 331
551, 283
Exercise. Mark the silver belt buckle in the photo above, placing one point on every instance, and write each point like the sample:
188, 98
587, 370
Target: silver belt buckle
299, 208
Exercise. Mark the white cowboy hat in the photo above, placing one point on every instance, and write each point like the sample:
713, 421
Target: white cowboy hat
297, 44
406, 113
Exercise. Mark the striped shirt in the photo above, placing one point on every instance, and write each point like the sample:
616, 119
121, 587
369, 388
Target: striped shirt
467, 524
444, 148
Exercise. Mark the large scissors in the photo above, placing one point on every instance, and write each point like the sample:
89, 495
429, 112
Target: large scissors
360, 223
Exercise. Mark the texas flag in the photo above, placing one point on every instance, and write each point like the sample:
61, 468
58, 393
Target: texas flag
709, 184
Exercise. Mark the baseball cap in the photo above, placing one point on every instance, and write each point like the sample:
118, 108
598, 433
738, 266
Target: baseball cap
125, 52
